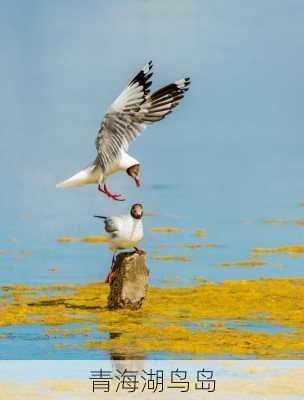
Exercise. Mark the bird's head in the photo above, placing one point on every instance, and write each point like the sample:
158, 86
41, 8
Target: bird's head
137, 211
134, 172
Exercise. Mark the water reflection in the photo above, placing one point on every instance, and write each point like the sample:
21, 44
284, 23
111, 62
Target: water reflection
121, 360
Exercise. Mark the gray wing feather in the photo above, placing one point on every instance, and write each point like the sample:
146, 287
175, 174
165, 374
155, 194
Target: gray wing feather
132, 111
111, 225
117, 131
119, 127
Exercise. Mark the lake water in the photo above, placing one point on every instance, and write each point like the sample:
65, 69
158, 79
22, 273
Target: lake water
31, 254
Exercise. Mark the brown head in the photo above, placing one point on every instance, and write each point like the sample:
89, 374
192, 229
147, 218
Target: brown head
134, 172
137, 211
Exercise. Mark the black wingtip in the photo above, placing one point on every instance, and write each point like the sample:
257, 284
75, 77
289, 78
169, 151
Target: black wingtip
150, 66
99, 216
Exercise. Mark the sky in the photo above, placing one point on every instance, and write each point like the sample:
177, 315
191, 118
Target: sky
232, 150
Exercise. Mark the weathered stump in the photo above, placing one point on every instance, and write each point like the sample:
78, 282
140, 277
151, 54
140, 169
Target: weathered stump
130, 283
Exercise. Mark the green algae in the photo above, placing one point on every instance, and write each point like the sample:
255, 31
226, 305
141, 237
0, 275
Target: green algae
165, 322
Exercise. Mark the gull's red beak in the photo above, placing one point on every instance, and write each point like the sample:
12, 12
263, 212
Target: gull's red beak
137, 181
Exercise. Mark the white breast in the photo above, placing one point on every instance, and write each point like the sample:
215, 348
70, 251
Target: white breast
122, 164
129, 234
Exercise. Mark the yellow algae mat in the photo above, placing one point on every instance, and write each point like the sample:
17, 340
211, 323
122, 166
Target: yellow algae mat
195, 320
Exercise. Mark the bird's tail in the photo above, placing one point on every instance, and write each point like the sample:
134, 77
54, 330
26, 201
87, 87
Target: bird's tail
81, 178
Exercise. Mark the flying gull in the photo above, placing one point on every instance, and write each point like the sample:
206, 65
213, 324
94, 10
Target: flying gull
126, 118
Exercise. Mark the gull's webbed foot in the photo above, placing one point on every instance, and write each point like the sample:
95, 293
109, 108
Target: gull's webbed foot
112, 196
110, 277
139, 251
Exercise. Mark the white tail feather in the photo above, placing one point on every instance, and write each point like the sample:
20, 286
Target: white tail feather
85, 177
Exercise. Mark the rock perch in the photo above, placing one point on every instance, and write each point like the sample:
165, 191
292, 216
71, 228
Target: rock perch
130, 283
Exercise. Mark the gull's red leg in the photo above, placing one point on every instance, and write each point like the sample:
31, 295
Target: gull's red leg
101, 190
112, 195
139, 251
111, 275
109, 194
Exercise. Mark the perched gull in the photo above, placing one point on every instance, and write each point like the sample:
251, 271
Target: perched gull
125, 231
130, 113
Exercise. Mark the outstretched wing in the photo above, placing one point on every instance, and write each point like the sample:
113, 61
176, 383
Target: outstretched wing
132, 111
111, 138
